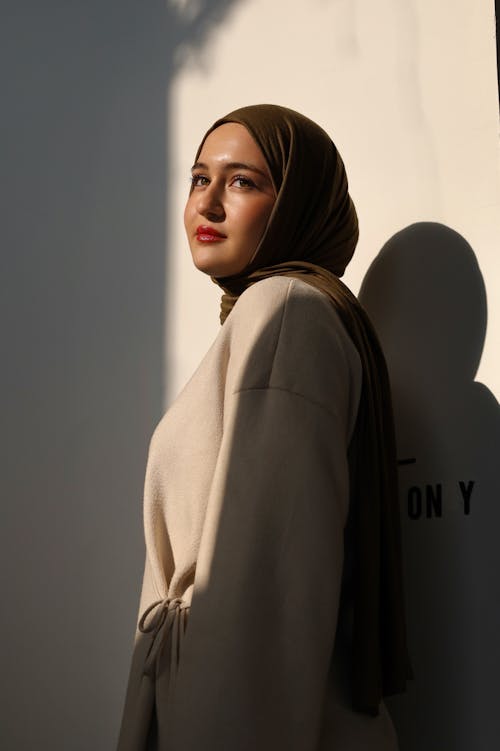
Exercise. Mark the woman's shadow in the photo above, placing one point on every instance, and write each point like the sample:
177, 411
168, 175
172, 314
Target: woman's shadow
426, 297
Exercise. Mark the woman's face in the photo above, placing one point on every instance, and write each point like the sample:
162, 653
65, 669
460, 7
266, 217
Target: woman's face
230, 203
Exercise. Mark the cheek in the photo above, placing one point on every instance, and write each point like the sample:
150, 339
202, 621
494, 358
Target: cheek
188, 212
255, 217
259, 219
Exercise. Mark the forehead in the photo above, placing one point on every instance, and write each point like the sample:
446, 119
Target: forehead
231, 142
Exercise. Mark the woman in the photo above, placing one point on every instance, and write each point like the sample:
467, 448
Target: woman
271, 614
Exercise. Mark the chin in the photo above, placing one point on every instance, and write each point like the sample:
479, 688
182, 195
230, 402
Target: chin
207, 264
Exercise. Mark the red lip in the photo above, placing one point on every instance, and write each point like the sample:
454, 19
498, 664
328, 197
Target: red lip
208, 234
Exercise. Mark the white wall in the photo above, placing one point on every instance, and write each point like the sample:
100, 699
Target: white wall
408, 91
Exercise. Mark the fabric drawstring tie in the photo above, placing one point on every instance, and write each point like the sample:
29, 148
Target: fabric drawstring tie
167, 624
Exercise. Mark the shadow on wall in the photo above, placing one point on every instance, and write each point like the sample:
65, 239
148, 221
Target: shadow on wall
426, 297
84, 198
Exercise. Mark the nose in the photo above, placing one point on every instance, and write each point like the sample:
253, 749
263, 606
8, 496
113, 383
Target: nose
209, 203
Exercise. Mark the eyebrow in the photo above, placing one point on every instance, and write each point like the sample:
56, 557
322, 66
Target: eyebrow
233, 165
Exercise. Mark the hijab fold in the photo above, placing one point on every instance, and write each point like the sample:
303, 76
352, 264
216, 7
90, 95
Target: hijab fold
311, 235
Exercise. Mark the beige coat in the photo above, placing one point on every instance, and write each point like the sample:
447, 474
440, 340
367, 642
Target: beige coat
245, 502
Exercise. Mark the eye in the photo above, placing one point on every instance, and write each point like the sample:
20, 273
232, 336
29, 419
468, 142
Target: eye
240, 181
199, 181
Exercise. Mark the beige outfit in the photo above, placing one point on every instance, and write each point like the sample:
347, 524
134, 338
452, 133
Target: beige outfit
246, 497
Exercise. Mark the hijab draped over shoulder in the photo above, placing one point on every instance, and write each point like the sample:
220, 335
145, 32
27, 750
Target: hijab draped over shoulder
311, 234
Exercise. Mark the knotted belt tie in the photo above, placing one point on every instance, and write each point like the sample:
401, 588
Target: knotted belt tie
168, 622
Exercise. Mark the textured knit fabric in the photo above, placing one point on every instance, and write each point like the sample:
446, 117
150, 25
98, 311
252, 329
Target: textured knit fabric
245, 505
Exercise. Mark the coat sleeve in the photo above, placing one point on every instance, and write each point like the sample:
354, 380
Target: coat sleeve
257, 649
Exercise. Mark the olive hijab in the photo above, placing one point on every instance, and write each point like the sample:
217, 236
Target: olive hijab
311, 234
